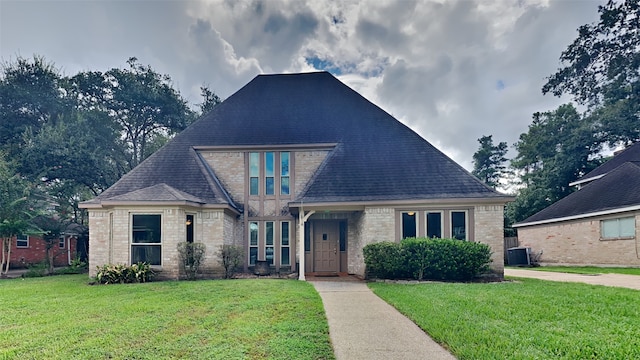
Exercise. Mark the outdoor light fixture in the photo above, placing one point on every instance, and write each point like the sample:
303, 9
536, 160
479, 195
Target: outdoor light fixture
188, 222
411, 213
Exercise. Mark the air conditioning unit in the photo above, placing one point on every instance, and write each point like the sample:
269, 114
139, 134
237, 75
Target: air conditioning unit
519, 256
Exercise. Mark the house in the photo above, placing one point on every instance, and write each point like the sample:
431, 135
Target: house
301, 172
28, 250
596, 225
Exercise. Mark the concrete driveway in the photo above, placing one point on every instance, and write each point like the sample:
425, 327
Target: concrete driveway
616, 280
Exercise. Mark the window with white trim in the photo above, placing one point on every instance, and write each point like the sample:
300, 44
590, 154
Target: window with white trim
269, 248
409, 224
253, 242
146, 238
22, 241
254, 173
61, 242
285, 247
618, 228
269, 179
284, 173
459, 225
434, 224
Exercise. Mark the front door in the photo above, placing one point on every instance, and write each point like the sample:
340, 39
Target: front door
325, 244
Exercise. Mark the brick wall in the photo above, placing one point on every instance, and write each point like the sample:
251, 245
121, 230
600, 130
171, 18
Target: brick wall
578, 243
36, 252
488, 227
371, 226
229, 168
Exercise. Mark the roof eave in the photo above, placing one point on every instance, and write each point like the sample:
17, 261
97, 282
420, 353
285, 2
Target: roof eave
359, 205
111, 203
579, 216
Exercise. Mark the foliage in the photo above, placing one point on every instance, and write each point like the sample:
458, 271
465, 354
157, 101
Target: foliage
230, 257
421, 258
527, 319
191, 255
601, 69
210, 100
123, 274
235, 319
489, 161
36, 270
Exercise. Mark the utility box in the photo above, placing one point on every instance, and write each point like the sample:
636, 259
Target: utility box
519, 256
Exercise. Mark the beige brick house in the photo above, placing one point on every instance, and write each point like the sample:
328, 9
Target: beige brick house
301, 172
596, 225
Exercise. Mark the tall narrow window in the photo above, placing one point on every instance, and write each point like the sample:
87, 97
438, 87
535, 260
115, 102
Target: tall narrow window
434, 224
269, 183
343, 236
253, 243
307, 237
459, 225
285, 253
146, 239
22, 241
61, 241
190, 225
268, 249
408, 224
284, 173
254, 173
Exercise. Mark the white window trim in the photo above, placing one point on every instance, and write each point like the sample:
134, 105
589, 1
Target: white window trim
618, 237
62, 240
26, 239
285, 246
417, 220
162, 231
257, 246
466, 223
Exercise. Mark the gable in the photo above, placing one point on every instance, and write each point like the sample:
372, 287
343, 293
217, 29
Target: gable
630, 154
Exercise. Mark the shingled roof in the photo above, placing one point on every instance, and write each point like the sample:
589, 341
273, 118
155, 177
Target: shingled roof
376, 156
630, 154
618, 190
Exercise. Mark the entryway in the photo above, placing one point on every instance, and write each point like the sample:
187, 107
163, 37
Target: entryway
326, 257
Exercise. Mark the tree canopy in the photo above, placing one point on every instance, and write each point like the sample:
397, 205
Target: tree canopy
489, 161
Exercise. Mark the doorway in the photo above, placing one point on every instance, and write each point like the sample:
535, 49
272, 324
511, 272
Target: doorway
326, 235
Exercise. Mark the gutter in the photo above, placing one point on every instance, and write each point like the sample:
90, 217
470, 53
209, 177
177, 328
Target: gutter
579, 216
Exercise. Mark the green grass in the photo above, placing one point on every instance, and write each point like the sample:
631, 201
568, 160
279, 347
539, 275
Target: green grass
62, 317
527, 319
587, 270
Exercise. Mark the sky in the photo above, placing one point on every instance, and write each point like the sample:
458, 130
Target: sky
451, 70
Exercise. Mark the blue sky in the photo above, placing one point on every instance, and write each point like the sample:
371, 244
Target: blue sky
451, 70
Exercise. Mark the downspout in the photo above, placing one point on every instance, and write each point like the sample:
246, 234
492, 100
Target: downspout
302, 219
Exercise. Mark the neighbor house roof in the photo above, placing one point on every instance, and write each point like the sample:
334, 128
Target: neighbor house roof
630, 154
617, 191
375, 157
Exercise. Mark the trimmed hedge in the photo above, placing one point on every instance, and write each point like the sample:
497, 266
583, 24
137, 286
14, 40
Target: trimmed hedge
422, 258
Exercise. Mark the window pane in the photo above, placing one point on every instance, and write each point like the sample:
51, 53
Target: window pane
146, 229
146, 253
343, 236
269, 254
408, 225
254, 164
269, 233
458, 225
253, 186
269, 185
610, 229
307, 237
284, 164
22, 241
434, 225
61, 242
268, 164
284, 257
285, 234
253, 233
190, 224
253, 255
284, 185
628, 227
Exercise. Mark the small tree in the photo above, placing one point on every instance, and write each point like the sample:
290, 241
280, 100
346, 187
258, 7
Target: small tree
191, 256
230, 257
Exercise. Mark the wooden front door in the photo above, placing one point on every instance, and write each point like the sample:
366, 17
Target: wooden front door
325, 244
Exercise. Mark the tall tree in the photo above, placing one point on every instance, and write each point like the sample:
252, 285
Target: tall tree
210, 100
489, 161
140, 101
601, 69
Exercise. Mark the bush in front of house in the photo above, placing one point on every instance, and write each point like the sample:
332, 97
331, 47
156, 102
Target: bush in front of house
191, 256
123, 274
422, 258
230, 257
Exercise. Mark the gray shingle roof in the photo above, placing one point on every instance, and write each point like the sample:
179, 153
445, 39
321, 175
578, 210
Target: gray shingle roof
630, 154
378, 158
618, 189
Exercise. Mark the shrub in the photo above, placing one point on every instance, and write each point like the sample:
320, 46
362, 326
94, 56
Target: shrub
191, 255
123, 274
36, 270
438, 259
230, 257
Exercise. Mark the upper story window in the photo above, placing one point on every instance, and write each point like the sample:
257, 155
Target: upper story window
618, 228
269, 172
22, 241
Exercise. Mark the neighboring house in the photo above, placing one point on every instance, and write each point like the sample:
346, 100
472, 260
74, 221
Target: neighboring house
290, 157
596, 225
29, 250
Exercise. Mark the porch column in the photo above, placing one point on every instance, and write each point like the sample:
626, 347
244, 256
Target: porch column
302, 218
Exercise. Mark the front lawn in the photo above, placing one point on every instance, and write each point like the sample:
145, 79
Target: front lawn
62, 317
588, 270
525, 319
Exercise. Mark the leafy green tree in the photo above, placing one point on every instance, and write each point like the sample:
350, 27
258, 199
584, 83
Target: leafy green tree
601, 69
142, 103
51, 228
210, 100
489, 161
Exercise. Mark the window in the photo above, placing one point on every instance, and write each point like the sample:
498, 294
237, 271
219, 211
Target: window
285, 249
284, 173
22, 241
269, 182
253, 242
434, 224
189, 223
618, 228
307, 237
408, 224
343, 236
146, 239
459, 225
254, 173
61, 242
268, 249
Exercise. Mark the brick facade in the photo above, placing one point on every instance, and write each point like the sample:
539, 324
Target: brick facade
578, 242
35, 252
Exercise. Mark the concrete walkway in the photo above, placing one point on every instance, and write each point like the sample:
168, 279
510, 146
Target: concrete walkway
362, 326
616, 280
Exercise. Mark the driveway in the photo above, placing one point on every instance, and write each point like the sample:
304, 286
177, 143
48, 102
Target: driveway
616, 280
